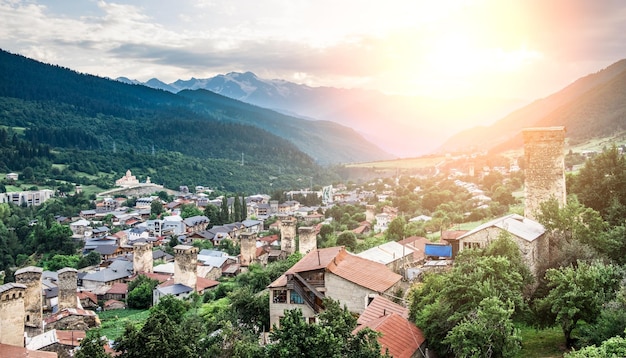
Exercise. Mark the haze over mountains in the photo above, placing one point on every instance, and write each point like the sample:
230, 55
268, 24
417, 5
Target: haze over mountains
402, 125
590, 107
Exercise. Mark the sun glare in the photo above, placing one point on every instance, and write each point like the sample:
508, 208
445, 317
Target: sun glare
464, 48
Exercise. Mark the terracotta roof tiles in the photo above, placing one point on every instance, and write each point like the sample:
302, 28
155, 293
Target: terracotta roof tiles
401, 337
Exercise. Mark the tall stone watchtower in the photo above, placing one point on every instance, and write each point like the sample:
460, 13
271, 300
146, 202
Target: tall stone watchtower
12, 314
142, 257
288, 235
31, 278
545, 167
248, 247
68, 278
307, 239
186, 265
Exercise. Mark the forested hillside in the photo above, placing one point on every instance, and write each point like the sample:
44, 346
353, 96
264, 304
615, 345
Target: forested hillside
35, 95
62, 124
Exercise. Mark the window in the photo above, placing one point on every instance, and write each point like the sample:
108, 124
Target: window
295, 298
280, 296
471, 245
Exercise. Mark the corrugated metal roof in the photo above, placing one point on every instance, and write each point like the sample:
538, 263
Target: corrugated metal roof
515, 224
386, 253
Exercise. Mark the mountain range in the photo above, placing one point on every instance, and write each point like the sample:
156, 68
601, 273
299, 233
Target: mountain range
84, 95
592, 106
404, 126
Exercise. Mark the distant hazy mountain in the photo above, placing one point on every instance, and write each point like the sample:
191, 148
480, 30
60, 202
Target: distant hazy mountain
402, 125
193, 123
592, 106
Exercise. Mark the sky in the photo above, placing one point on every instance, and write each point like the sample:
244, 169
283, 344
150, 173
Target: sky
523, 49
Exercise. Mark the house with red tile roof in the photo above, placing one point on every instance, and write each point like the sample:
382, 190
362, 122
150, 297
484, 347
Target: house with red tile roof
330, 272
399, 336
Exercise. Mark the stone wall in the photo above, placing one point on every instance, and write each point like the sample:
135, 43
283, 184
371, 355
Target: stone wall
12, 314
531, 251
248, 247
355, 297
545, 167
288, 235
185, 265
68, 278
142, 257
307, 239
277, 310
33, 306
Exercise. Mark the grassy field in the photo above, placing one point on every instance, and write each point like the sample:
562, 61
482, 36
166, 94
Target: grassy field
545, 343
113, 322
405, 163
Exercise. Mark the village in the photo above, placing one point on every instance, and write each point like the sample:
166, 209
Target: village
46, 314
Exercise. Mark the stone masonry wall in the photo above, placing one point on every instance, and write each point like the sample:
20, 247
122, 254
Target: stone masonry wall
33, 306
248, 247
186, 265
67, 288
12, 314
142, 257
307, 239
288, 235
545, 167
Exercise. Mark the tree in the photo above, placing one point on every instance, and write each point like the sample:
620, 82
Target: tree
601, 183
237, 209
213, 213
572, 228
395, 231
224, 212
612, 347
331, 337
578, 293
446, 300
486, 331
156, 207
92, 258
189, 210
140, 292
347, 239
92, 346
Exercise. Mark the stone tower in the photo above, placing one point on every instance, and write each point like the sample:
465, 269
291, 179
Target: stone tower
248, 247
31, 278
12, 314
545, 167
288, 235
370, 213
68, 278
186, 265
307, 239
142, 257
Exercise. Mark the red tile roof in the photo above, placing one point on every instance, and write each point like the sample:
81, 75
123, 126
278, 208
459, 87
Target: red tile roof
118, 288
363, 272
86, 294
452, 234
380, 307
8, 351
337, 260
70, 338
401, 337
66, 312
204, 283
